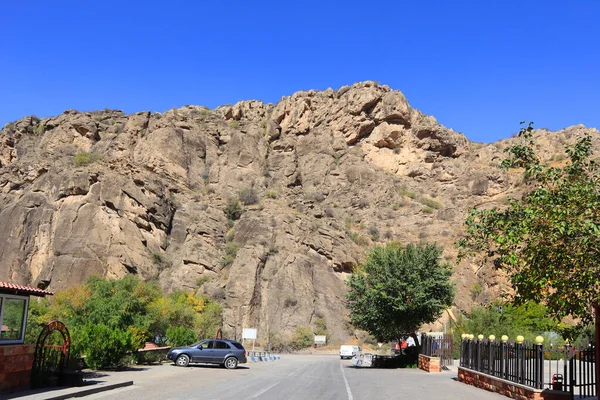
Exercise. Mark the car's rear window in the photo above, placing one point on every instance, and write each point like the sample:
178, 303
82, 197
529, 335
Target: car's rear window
238, 345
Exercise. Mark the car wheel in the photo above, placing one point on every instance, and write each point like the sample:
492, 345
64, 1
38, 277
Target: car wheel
182, 361
231, 363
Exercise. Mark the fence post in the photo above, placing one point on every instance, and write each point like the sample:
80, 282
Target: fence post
520, 358
539, 362
491, 368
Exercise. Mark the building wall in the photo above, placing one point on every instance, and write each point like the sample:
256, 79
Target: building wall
15, 366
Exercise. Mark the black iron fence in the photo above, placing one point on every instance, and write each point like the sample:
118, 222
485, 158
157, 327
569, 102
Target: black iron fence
571, 369
566, 368
442, 347
515, 362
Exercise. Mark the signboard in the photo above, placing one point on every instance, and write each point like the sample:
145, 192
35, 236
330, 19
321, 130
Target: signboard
249, 333
320, 339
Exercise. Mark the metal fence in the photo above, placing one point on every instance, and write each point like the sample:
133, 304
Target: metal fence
442, 347
515, 362
566, 368
571, 369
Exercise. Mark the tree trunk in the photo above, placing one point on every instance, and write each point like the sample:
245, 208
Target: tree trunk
597, 347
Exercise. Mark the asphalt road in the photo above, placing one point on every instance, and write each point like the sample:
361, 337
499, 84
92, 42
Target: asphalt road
294, 377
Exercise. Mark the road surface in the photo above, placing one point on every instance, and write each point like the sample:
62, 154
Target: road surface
293, 377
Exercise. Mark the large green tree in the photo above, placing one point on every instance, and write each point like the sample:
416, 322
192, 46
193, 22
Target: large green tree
549, 240
398, 289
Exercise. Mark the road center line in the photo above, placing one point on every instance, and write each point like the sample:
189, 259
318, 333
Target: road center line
346, 383
264, 390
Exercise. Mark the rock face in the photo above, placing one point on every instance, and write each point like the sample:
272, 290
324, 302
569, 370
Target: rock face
323, 176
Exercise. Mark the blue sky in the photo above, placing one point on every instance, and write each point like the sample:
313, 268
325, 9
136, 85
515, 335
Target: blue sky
479, 67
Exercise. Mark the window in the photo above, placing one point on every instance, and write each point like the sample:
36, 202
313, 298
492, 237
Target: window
13, 316
222, 345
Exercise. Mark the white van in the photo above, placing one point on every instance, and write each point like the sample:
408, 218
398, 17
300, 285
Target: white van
349, 351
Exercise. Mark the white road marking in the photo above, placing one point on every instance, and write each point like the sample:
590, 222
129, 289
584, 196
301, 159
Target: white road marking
264, 390
346, 383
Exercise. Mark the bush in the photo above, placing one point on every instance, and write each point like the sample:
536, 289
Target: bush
105, 347
271, 194
320, 326
303, 337
358, 239
82, 159
233, 211
248, 196
430, 203
181, 336
231, 250
290, 302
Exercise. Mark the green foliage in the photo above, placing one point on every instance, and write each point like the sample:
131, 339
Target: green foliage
428, 210
233, 211
547, 242
110, 319
272, 250
320, 326
104, 346
82, 159
231, 250
429, 203
398, 289
529, 320
407, 193
271, 194
201, 280
180, 336
475, 290
234, 124
358, 239
303, 337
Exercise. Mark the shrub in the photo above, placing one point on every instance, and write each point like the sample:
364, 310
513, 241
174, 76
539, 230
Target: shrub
358, 239
320, 326
430, 203
248, 196
290, 302
273, 250
180, 336
428, 210
271, 194
303, 337
231, 250
407, 193
475, 291
233, 211
82, 159
234, 124
374, 232
105, 347
201, 280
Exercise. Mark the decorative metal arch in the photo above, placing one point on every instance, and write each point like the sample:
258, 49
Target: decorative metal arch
49, 360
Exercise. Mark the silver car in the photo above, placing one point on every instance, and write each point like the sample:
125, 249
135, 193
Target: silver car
227, 353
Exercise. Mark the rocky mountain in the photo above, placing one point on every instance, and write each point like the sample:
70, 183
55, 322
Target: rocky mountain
321, 176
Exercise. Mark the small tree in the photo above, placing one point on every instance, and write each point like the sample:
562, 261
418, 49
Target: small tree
398, 289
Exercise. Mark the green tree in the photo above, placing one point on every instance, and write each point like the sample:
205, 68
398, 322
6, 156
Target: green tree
398, 289
548, 241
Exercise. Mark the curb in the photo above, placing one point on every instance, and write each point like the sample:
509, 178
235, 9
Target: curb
92, 390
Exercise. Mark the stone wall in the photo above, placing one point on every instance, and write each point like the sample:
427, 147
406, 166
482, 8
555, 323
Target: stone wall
507, 388
429, 364
15, 366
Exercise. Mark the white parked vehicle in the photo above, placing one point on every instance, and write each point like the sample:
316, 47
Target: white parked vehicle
349, 351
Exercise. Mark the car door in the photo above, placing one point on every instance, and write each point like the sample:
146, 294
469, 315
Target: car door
203, 352
220, 351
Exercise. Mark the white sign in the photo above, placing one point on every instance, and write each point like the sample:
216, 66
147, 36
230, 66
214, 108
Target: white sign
249, 333
320, 339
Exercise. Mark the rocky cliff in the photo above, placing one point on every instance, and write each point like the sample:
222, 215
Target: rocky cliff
322, 177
